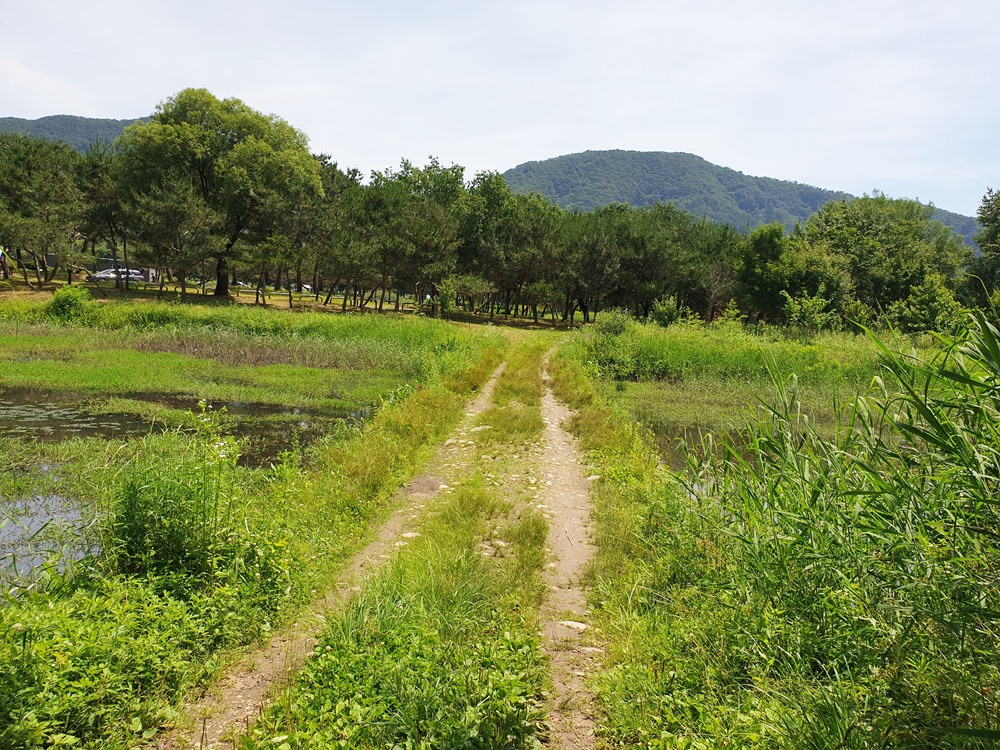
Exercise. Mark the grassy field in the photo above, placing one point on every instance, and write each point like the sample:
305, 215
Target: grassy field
823, 573
688, 382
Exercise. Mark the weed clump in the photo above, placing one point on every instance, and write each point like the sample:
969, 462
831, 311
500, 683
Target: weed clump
70, 304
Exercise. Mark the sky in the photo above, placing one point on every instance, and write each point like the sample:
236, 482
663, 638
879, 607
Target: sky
859, 95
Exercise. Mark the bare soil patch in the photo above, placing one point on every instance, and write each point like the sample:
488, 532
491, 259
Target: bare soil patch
564, 613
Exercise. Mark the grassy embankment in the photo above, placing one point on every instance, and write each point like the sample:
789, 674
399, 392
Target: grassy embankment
442, 648
199, 556
832, 590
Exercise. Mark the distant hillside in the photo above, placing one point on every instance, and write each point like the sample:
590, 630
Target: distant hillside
78, 132
640, 178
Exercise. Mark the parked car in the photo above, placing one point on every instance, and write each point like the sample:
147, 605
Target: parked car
111, 274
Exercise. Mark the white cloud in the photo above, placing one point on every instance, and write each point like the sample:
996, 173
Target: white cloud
851, 96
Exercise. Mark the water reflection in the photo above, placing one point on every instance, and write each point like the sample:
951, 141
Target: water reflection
52, 530
28, 414
40, 530
681, 444
265, 430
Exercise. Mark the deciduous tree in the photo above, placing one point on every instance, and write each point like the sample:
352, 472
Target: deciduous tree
250, 169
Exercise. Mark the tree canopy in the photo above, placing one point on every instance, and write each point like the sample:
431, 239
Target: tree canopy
250, 169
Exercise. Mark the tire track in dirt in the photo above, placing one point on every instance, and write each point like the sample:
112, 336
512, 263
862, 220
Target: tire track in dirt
564, 612
236, 700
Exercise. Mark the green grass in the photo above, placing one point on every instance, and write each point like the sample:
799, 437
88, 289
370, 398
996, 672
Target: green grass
442, 648
627, 350
806, 590
200, 555
434, 653
690, 381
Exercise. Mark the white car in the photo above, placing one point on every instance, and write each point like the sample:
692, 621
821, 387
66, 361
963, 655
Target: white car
110, 274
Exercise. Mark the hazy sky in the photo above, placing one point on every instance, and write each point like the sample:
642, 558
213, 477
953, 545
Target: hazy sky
895, 95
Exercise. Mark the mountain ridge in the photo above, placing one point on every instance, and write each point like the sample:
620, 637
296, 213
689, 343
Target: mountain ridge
78, 132
588, 179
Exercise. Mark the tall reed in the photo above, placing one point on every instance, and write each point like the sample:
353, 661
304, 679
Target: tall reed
808, 591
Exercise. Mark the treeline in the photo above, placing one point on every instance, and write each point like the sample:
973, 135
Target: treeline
209, 183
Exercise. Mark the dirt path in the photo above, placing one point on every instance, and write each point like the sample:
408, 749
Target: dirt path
237, 699
564, 613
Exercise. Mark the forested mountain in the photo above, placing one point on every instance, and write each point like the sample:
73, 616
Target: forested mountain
78, 132
641, 178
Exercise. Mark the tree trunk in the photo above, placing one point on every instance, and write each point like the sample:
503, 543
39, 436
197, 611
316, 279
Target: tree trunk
38, 273
329, 292
222, 273
127, 268
364, 302
260, 293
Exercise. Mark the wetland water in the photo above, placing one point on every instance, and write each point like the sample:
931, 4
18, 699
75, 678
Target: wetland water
677, 443
40, 528
265, 430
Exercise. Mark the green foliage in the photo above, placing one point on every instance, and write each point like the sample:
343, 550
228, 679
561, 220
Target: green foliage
199, 556
984, 270
682, 352
931, 306
799, 591
667, 311
79, 132
598, 178
889, 245
204, 174
730, 315
417, 348
857, 315
38, 202
614, 323
103, 656
810, 315
104, 661
70, 304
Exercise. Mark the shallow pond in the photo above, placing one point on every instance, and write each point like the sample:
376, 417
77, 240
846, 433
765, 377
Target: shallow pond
33, 415
677, 443
266, 430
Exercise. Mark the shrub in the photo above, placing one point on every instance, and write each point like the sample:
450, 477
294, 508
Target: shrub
931, 306
613, 322
810, 315
667, 311
70, 303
